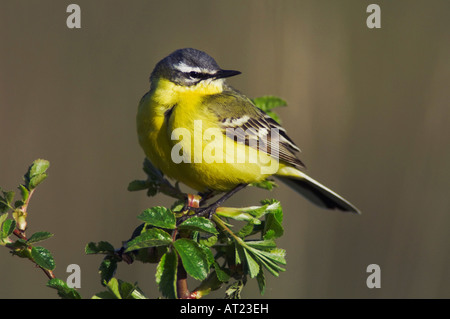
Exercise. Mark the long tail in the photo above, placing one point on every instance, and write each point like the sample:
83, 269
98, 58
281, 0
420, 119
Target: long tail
314, 191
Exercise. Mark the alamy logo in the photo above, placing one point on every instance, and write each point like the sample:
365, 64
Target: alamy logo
236, 146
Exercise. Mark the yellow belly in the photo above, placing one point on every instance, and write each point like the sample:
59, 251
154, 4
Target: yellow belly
187, 146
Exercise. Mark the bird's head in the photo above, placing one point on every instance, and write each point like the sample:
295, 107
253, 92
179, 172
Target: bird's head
190, 68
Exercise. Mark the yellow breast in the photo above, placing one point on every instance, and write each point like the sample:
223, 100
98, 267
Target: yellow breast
182, 139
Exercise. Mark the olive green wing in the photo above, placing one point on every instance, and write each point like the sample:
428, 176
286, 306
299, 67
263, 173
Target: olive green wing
241, 120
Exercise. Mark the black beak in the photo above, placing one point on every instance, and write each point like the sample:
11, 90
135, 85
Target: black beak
225, 74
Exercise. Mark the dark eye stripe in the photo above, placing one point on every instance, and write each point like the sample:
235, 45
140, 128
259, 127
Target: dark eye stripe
198, 75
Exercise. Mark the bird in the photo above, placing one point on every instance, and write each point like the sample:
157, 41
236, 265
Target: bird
198, 130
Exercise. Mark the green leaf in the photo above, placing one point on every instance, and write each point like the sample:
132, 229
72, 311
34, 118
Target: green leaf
3, 217
36, 173
38, 167
9, 197
159, 217
18, 203
178, 205
24, 192
208, 242
5, 201
252, 264
261, 282
236, 214
4, 207
166, 275
137, 185
270, 261
43, 257
200, 224
7, 227
102, 247
113, 287
107, 269
246, 230
234, 290
265, 184
273, 226
261, 244
39, 236
64, 291
221, 274
239, 254
152, 237
36, 180
267, 103
193, 257
130, 291
104, 295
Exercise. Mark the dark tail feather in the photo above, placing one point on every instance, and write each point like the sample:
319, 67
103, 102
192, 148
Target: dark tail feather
317, 193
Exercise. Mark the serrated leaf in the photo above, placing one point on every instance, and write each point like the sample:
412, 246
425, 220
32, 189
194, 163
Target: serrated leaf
7, 227
43, 257
261, 282
251, 263
152, 237
39, 167
36, 173
273, 226
193, 257
64, 291
269, 261
166, 275
221, 274
246, 230
159, 217
39, 236
238, 253
268, 102
102, 247
200, 224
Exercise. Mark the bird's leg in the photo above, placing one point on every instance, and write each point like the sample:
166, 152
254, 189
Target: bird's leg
210, 210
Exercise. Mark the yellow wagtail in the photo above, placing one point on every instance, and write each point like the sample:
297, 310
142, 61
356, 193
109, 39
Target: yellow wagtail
200, 131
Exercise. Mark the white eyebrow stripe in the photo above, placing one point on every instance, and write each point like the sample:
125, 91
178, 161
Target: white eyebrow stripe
183, 67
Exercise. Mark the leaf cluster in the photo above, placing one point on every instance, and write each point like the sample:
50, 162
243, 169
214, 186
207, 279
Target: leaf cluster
235, 244
12, 230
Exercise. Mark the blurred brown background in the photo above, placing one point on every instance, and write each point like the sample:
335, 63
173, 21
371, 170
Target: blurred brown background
369, 109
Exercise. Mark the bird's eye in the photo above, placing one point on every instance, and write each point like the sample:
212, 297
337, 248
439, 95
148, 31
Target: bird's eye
194, 74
